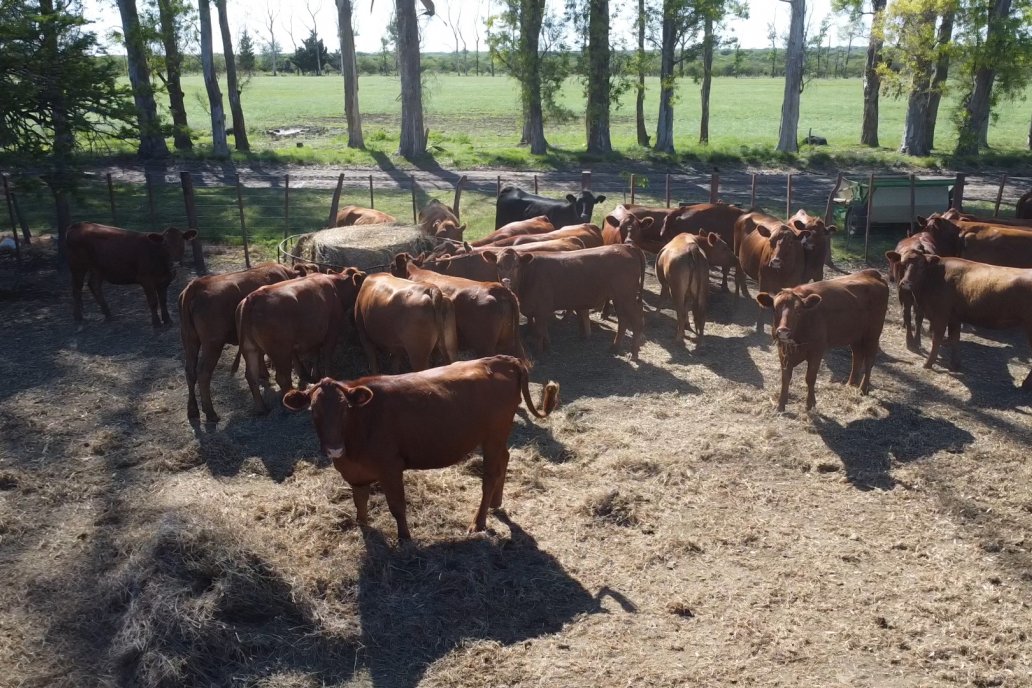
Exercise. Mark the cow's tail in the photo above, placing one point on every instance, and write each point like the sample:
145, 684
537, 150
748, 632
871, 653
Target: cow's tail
508, 297
186, 334
444, 319
641, 280
241, 322
549, 393
236, 362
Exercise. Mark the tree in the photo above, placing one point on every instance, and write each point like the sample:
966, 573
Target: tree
413, 135
940, 71
456, 31
58, 96
248, 62
272, 45
172, 14
772, 36
788, 141
679, 17
220, 144
641, 60
597, 110
713, 12
311, 54
239, 129
152, 142
349, 70
314, 34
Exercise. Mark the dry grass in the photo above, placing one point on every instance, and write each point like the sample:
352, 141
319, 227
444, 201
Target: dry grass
665, 527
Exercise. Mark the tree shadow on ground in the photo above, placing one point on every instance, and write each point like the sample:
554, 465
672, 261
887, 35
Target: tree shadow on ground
869, 447
418, 603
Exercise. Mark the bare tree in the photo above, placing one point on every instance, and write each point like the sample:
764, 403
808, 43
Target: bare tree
270, 24
211, 83
788, 142
239, 129
476, 36
349, 70
152, 143
456, 30
314, 30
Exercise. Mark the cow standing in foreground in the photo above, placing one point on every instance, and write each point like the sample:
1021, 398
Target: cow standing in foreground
810, 319
770, 252
375, 428
110, 254
207, 322
403, 318
952, 291
516, 204
290, 319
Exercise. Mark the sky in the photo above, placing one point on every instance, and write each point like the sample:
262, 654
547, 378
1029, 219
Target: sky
372, 16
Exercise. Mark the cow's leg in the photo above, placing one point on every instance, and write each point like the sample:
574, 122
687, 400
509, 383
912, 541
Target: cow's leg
251, 364
163, 302
584, 319
907, 304
152, 304
419, 356
78, 277
360, 493
699, 314
870, 351
937, 329
95, 283
786, 381
918, 324
813, 364
370, 351
539, 331
858, 351
209, 358
954, 344
191, 352
283, 363
394, 489
496, 460
723, 281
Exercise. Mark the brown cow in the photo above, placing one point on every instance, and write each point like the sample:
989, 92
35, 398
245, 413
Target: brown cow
351, 215
701, 218
924, 242
618, 223
683, 272
290, 319
110, 254
984, 243
577, 281
589, 235
534, 225
375, 428
438, 220
472, 266
207, 322
952, 291
770, 252
811, 318
815, 248
487, 314
960, 218
403, 318
1023, 209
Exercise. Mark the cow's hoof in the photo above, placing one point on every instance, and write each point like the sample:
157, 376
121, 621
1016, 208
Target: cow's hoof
259, 411
211, 418
192, 412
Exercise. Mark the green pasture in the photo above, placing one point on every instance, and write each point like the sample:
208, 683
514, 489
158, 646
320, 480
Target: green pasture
474, 122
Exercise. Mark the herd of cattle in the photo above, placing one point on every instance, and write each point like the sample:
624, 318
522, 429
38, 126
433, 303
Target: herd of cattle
545, 256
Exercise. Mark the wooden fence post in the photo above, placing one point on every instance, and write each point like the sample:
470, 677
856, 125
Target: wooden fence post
714, 187
752, 200
585, 181
958, 192
535, 184
633, 184
829, 215
498, 186
150, 201
191, 222
415, 213
668, 190
999, 196
286, 206
372, 200
14, 222
788, 198
913, 205
335, 204
111, 200
243, 225
870, 209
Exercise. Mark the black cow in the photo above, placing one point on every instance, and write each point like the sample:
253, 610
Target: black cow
516, 204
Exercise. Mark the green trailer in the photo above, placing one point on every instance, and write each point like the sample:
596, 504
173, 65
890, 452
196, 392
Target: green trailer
891, 204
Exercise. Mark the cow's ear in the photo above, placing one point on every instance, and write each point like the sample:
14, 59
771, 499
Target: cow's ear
893, 257
462, 228
763, 231
611, 220
830, 229
933, 259
156, 238
811, 300
647, 222
922, 220
189, 234
296, 400
765, 300
358, 396
571, 198
803, 235
467, 247
712, 238
799, 225
526, 258
490, 256
599, 199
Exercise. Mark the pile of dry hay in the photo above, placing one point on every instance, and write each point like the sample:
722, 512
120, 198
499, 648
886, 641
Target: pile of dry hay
367, 247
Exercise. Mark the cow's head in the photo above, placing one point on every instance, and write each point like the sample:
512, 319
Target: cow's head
448, 229
584, 204
508, 262
944, 233
330, 402
803, 221
174, 240
400, 265
718, 253
631, 228
913, 267
790, 307
786, 246
305, 269
347, 285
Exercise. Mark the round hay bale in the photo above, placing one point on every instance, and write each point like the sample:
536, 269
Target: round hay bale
367, 247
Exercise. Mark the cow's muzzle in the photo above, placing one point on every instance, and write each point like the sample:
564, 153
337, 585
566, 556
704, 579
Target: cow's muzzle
905, 285
333, 453
775, 264
784, 335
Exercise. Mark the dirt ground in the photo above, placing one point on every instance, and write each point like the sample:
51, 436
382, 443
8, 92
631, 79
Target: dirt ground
665, 527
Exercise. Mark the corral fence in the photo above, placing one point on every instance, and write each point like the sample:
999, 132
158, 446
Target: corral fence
244, 207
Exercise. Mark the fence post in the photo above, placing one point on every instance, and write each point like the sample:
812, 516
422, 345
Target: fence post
752, 200
535, 184
714, 187
243, 225
788, 198
332, 222
498, 186
633, 184
585, 180
14, 222
191, 222
415, 213
286, 206
668, 190
870, 209
999, 196
111, 200
913, 205
150, 201
372, 201
958, 192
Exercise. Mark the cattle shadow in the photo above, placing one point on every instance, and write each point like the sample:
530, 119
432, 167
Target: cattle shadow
869, 447
539, 434
279, 439
419, 602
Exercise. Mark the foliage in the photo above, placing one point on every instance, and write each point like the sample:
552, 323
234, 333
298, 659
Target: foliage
245, 53
305, 56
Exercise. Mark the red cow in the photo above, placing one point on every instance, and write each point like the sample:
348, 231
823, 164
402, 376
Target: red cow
534, 225
811, 318
110, 254
290, 319
472, 266
617, 225
401, 317
589, 236
438, 220
770, 252
683, 272
357, 215
952, 291
375, 428
816, 247
923, 242
702, 218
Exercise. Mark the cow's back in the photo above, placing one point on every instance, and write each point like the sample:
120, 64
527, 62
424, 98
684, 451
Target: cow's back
1004, 246
852, 307
981, 294
579, 279
702, 218
117, 255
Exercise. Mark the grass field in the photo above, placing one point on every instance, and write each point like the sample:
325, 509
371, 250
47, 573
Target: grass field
473, 121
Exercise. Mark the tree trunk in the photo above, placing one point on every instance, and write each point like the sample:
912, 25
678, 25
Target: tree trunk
939, 75
915, 134
152, 143
707, 78
220, 145
173, 69
1030, 134
665, 124
239, 130
639, 105
974, 126
597, 111
413, 137
349, 70
872, 82
532, 14
60, 180
789, 139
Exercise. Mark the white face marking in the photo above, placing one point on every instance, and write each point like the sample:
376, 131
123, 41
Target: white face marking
334, 452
